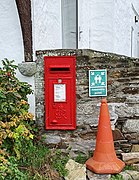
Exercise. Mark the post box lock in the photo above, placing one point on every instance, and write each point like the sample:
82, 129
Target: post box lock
60, 92
59, 80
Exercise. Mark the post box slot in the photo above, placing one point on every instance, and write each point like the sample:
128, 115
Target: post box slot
59, 69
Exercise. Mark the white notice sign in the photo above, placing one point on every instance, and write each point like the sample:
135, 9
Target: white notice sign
59, 92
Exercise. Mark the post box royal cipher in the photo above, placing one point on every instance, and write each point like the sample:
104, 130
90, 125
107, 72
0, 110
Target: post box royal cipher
60, 92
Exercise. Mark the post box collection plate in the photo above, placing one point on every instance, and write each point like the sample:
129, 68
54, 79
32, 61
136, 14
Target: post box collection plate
60, 92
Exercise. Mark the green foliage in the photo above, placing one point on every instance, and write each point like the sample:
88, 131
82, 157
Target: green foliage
37, 161
81, 158
33, 154
127, 167
10, 170
33, 157
59, 161
117, 177
16, 123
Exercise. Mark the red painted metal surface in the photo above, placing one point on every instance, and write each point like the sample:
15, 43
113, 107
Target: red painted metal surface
60, 92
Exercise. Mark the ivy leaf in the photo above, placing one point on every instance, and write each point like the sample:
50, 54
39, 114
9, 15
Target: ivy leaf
12, 107
16, 94
17, 152
5, 110
4, 107
2, 95
31, 136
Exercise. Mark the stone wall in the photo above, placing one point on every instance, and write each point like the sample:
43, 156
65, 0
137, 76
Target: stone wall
123, 101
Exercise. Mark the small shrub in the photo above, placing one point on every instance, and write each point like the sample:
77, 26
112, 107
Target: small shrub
16, 123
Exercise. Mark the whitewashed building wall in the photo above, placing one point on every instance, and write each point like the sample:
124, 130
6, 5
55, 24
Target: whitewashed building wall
105, 25
46, 16
101, 25
125, 28
11, 43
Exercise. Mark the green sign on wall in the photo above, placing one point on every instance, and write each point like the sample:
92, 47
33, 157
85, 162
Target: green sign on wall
98, 82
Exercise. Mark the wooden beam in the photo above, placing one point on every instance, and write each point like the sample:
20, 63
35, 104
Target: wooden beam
24, 10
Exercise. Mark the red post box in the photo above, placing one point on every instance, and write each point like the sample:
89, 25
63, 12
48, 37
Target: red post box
60, 92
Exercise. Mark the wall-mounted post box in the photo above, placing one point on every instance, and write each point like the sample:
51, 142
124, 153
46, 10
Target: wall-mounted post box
60, 92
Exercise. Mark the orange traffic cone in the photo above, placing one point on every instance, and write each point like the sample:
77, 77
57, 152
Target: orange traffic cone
104, 160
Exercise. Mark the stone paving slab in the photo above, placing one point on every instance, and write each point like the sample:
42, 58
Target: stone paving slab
133, 174
93, 176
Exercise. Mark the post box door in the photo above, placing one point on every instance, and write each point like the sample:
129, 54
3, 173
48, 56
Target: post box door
60, 92
60, 98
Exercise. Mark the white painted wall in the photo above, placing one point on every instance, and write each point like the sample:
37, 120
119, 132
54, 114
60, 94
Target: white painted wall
122, 27
135, 42
47, 24
101, 25
11, 44
83, 24
125, 28
105, 25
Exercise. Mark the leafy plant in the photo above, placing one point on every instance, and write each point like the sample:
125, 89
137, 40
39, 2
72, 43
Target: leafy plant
81, 158
33, 157
16, 123
10, 170
127, 167
33, 154
116, 177
59, 161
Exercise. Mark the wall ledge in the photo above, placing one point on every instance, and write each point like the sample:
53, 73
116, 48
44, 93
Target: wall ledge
27, 68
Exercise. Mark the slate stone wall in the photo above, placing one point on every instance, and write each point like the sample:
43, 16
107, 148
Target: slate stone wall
123, 101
